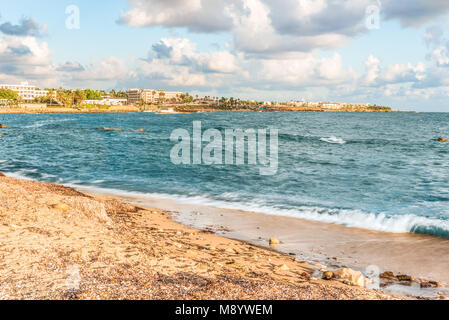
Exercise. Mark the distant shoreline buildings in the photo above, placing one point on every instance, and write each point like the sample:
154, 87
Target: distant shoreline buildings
136, 96
107, 102
139, 97
325, 105
25, 91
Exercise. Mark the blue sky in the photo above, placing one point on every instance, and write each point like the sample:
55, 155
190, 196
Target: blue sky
319, 50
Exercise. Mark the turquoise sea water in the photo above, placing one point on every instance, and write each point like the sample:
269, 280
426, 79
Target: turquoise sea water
381, 171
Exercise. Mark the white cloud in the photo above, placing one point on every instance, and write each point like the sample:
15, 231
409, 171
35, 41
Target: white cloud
372, 65
440, 56
258, 26
24, 51
273, 27
183, 52
196, 15
25, 58
303, 70
26, 27
378, 76
415, 13
109, 68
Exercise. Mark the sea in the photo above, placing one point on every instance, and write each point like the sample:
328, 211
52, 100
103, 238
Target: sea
380, 171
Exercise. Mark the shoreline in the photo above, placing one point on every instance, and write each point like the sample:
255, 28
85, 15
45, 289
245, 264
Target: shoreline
126, 109
321, 244
66, 110
84, 246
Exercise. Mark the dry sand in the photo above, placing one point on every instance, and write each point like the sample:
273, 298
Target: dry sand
58, 243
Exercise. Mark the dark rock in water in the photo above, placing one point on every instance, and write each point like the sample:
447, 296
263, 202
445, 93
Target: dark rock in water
430, 284
403, 277
2, 175
387, 275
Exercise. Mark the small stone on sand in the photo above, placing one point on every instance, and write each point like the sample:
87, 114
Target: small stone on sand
61, 206
328, 275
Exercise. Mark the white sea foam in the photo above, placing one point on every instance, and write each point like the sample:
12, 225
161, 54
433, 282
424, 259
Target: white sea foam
43, 123
26, 171
23, 174
349, 218
17, 175
334, 140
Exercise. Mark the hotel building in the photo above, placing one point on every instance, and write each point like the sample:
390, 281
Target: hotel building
107, 102
135, 96
25, 91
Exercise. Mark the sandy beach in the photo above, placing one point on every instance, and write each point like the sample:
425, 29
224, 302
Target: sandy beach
59, 243
62, 110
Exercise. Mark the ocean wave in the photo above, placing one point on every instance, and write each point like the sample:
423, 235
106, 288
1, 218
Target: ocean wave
349, 218
300, 138
384, 222
31, 174
333, 140
44, 123
293, 137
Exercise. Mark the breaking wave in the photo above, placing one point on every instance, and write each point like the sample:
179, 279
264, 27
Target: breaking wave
333, 140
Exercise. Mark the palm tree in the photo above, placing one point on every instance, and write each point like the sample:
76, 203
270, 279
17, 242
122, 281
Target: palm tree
79, 97
50, 96
65, 97
162, 96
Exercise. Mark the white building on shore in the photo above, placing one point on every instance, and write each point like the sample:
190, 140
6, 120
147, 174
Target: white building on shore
107, 102
135, 96
25, 91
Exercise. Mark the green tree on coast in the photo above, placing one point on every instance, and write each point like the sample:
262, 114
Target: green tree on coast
118, 94
9, 94
92, 95
186, 98
121, 95
162, 97
79, 96
65, 97
50, 96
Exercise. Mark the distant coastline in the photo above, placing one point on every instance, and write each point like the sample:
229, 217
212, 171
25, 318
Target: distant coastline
25, 98
180, 109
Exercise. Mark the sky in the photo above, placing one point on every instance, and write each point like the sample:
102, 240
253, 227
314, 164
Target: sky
389, 52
